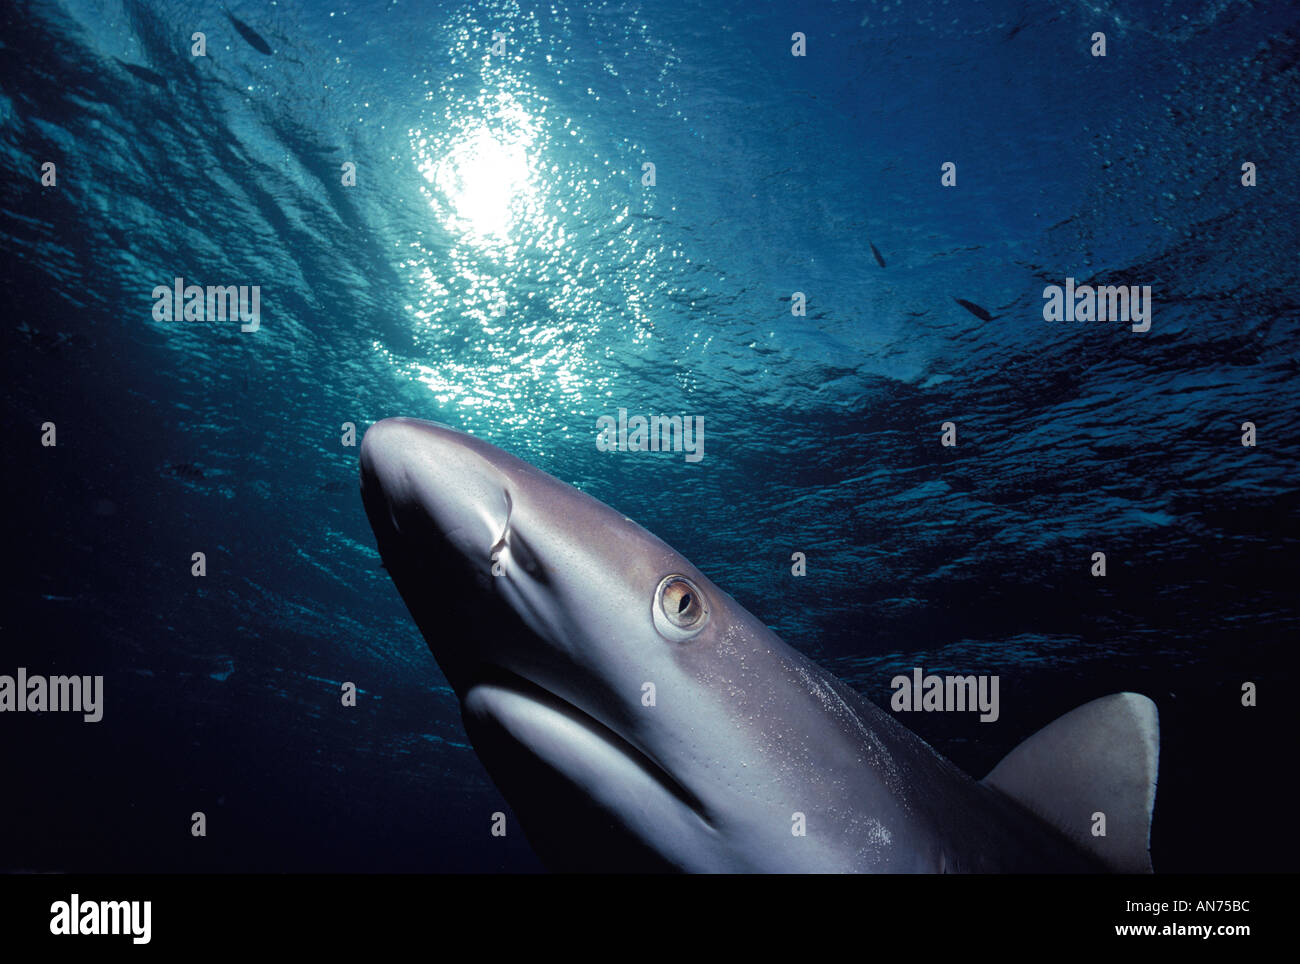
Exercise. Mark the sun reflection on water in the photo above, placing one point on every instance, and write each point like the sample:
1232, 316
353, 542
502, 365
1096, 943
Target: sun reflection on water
483, 184
528, 271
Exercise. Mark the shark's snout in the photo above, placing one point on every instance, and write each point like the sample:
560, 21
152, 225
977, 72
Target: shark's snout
419, 476
439, 504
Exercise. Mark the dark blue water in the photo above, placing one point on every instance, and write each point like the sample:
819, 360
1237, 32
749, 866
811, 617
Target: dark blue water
500, 266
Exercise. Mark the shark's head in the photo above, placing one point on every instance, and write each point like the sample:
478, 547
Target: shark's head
623, 702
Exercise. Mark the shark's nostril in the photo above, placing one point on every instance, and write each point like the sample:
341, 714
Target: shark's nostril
505, 527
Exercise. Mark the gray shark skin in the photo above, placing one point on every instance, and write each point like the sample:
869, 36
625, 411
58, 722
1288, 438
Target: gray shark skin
549, 611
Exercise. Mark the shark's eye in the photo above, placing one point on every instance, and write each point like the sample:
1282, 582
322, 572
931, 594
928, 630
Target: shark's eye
681, 605
679, 608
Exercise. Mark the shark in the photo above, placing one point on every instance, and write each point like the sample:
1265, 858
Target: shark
636, 718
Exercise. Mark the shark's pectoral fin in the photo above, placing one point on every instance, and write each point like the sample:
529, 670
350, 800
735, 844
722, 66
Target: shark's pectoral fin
1092, 775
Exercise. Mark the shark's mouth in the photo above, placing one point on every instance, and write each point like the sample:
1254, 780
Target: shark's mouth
569, 740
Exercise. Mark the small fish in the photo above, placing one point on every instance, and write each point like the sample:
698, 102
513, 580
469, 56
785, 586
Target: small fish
185, 470
974, 309
876, 251
144, 73
248, 33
